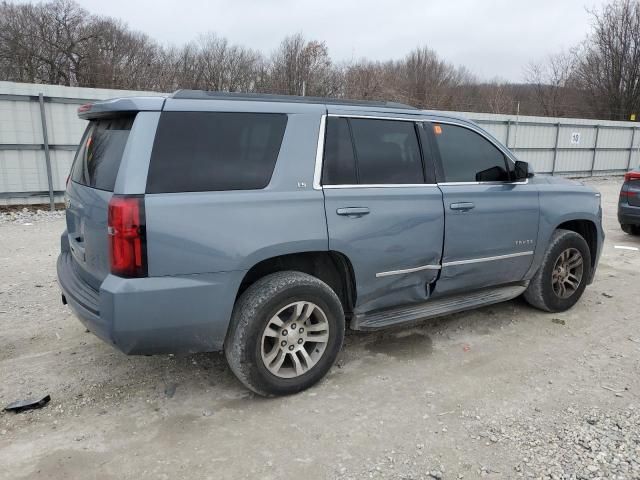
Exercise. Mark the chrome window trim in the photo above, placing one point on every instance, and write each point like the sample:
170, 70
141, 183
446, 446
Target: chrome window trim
376, 117
381, 185
317, 172
487, 259
445, 184
407, 270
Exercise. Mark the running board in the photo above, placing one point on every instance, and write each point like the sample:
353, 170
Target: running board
435, 308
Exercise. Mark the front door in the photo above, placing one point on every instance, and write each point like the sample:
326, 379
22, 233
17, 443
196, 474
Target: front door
491, 221
384, 211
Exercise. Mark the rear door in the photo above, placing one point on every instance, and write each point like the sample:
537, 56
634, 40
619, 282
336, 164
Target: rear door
491, 221
91, 184
384, 211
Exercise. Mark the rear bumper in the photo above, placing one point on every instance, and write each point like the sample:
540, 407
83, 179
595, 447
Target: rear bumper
143, 316
628, 214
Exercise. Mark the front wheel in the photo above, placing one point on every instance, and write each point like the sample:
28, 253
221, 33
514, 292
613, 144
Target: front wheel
285, 333
563, 275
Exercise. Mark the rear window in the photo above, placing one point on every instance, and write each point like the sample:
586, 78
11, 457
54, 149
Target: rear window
100, 153
213, 151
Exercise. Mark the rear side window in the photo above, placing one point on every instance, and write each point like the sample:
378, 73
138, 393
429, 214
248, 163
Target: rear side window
383, 151
213, 151
100, 153
468, 157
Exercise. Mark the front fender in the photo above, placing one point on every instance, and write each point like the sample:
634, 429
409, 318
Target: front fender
558, 207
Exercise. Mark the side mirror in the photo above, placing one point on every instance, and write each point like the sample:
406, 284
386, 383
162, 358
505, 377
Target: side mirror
523, 170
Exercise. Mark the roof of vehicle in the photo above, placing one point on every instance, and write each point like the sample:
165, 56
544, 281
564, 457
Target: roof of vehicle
333, 105
268, 97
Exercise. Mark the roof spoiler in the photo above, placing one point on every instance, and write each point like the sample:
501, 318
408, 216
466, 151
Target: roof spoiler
110, 108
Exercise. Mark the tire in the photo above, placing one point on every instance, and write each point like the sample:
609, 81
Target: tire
545, 290
630, 229
254, 333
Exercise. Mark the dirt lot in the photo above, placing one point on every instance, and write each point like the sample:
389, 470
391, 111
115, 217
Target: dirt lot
501, 392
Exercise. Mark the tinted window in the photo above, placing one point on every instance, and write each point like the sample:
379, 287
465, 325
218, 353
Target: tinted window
210, 151
468, 157
387, 152
100, 153
339, 163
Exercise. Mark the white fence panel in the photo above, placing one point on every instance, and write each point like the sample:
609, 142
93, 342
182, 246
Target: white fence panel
561, 146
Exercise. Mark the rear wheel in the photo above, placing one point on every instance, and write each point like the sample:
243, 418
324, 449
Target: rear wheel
630, 229
285, 334
563, 275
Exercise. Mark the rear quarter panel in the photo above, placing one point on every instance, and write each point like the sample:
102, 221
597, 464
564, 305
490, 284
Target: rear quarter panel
205, 232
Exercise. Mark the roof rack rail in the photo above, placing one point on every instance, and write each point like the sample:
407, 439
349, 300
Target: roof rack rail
267, 97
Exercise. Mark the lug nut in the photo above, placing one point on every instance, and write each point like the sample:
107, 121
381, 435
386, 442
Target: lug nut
301, 330
300, 341
291, 347
284, 333
293, 326
283, 343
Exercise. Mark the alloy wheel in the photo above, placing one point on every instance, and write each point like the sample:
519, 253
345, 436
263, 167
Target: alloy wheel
294, 339
567, 272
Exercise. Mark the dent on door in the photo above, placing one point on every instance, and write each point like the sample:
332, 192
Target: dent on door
393, 238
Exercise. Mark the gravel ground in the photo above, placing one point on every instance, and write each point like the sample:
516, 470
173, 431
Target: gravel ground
26, 216
501, 392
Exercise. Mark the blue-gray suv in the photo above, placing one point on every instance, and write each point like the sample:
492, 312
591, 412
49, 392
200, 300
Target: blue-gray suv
265, 225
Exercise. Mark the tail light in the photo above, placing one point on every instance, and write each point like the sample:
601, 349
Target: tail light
631, 176
127, 236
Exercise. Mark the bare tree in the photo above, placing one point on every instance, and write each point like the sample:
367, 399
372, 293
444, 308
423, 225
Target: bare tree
365, 80
551, 80
299, 66
428, 81
226, 67
39, 43
608, 66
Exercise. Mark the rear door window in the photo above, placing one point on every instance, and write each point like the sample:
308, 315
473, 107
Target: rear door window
213, 151
371, 152
98, 158
339, 159
387, 152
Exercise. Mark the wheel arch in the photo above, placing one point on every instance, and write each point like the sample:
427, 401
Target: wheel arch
332, 267
588, 230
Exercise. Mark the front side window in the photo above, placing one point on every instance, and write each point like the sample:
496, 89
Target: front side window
468, 157
371, 152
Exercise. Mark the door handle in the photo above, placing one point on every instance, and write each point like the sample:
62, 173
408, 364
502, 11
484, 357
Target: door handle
353, 211
462, 206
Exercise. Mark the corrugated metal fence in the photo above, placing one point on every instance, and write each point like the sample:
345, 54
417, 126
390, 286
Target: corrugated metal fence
39, 131
567, 146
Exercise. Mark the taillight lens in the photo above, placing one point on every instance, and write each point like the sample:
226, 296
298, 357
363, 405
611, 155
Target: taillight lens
127, 236
631, 176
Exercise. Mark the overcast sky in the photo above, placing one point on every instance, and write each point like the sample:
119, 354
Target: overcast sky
493, 38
